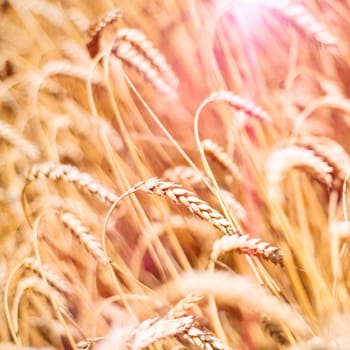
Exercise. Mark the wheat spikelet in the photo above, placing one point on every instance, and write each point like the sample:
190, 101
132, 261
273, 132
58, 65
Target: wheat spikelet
151, 330
303, 21
238, 103
221, 157
179, 195
95, 30
182, 307
283, 160
139, 41
56, 281
331, 152
70, 173
83, 234
204, 340
11, 135
246, 245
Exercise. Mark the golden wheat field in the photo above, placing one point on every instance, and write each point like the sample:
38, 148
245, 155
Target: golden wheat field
173, 174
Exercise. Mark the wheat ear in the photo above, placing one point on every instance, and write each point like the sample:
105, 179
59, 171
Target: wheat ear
71, 174
53, 278
246, 245
95, 30
331, 152
282, 161
185, 304
140, 42
83, 234
219, 155
11, 135
203, 340
194, 178
37, 285
133, 58
239, 103
237, 291
179, 195
305, 23
152, 330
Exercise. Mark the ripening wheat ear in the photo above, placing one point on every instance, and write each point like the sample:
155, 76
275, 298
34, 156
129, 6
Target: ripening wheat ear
185, 304
135, 59
239, 103
71, 174
11, 135
304, 22
37, 285
152, 330
179, 195
191, 176
246, 245
145, 47
218, 154
53, 278
283, 160
95, 30
66, 67
331, 152
202, 339
84, 235
237, 291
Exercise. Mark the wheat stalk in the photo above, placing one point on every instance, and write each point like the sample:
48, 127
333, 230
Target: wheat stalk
83, 234
71, 174
246, 245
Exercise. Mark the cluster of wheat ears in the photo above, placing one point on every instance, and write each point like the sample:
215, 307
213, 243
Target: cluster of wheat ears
173, 174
